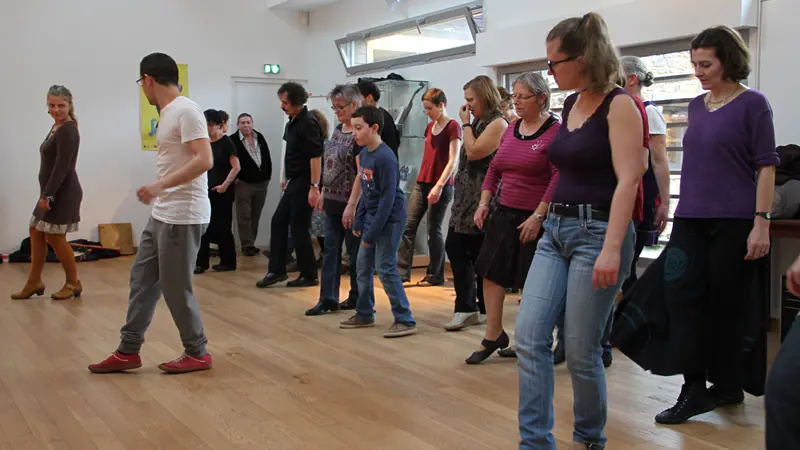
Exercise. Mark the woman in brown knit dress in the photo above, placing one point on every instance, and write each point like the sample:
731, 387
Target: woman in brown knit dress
58, 210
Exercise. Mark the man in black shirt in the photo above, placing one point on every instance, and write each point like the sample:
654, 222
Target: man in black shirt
251, 186
301, 190
389, 133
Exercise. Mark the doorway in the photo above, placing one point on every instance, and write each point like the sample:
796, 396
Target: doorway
259, 98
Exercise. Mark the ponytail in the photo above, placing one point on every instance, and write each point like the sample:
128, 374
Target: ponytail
587, 37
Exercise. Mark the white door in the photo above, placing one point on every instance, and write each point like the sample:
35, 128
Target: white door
259, 98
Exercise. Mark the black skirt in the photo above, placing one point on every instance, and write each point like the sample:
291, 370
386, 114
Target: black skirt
503, 259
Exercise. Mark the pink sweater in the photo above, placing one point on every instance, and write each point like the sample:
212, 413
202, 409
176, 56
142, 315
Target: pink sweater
523, 166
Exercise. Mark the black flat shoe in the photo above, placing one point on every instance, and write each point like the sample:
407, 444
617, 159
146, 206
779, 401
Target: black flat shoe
348, 304
303, 282
223, 268
509, 352
271, 279
489, 347
693, 401
323, 307
199, 270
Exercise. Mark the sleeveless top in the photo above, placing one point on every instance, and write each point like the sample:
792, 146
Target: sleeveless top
583, 159
338, 170
469, 182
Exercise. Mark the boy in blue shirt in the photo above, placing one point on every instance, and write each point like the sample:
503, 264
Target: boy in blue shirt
380, 222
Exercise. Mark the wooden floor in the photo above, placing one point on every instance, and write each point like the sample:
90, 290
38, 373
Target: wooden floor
285, 381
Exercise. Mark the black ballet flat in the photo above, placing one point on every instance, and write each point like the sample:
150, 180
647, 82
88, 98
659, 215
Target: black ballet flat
489, 347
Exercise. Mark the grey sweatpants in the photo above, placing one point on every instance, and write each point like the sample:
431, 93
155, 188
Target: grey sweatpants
165, 264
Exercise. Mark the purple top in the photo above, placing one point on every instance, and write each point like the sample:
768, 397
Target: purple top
583, 157
722, 150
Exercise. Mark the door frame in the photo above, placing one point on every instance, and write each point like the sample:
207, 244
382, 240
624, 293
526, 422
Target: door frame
235, 107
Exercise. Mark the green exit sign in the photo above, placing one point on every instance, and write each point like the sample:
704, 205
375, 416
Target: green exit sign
272, 69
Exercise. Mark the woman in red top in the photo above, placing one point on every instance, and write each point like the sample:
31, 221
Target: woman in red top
434, 189
513, 228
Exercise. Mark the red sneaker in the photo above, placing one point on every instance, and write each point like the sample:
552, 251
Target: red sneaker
186, 363
117, 362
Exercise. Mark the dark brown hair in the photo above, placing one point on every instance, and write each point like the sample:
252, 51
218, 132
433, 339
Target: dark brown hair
505, 96
729, 48
435, 96
587, 37
323, 122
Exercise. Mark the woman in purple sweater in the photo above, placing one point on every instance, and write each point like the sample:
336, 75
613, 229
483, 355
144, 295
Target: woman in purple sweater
721, 224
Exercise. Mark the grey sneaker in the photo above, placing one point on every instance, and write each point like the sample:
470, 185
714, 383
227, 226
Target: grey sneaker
356, 321
400, 329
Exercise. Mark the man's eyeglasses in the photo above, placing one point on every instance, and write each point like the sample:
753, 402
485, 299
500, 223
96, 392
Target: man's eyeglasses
552, 64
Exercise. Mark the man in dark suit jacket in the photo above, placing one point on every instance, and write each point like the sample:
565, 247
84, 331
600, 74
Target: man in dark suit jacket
251, 186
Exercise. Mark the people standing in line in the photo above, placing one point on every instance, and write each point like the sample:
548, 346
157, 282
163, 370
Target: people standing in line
513, 228
434, 189
170, 241
379, 223
782, 396
464, 239
722, 220
252, 182
301, 191
656, 179
370, 96
58, 210
221, 196
587, 246
340, 193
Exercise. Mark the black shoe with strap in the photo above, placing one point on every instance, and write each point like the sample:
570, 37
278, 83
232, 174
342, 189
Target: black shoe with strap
489, 347
271, 279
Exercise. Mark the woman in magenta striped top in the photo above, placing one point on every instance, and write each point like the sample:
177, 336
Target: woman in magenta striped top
513, 228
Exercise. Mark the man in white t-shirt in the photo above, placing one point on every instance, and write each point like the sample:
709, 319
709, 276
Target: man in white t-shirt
181, 213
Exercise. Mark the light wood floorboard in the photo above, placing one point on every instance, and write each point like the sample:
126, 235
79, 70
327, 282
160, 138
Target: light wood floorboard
285, 381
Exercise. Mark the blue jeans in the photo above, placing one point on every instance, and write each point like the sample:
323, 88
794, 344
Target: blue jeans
385, 251
335, 236
560, 279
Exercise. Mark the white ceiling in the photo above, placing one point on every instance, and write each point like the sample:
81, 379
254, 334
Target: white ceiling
298, 5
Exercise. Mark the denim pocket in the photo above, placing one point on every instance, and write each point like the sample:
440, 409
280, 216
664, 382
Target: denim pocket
596, 229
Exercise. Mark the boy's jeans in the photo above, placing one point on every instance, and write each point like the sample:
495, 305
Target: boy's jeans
560, 279
384, 250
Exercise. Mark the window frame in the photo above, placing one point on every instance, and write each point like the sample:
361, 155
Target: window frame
465, 11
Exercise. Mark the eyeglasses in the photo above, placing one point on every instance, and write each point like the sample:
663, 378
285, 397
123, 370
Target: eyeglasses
140, 81
520, 97
340, 108
552, 64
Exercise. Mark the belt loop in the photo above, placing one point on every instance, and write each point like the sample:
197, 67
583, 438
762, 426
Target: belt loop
588, 212
581, 214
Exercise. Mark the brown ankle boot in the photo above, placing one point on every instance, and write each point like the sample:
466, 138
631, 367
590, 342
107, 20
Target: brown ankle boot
70, 289
29, 291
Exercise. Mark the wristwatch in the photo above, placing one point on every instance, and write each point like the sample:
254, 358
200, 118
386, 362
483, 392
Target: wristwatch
540, 217
765, 215
316, 185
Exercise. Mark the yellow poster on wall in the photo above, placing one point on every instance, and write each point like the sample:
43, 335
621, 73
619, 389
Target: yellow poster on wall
149, 113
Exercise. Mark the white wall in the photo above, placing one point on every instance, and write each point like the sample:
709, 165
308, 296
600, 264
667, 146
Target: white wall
94, 48
780, 64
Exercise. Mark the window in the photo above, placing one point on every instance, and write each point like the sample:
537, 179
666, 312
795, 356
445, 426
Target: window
442, 35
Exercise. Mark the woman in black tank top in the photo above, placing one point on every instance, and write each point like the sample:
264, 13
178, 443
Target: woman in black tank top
587, 246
